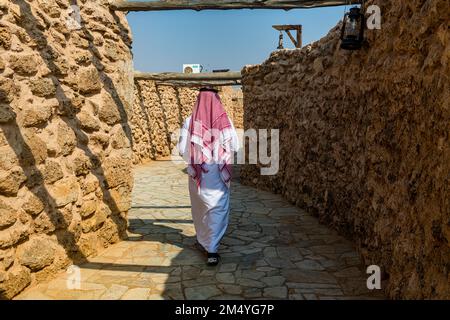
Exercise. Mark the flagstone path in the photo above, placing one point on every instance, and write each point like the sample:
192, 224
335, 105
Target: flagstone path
272, 250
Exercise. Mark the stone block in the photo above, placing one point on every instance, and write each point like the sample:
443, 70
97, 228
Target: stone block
11, 181
13, 234
33, 203
65, 191
24, 64
117, 172
6, 113
33, 149
66, 139
37, 253
81, 164
88, 208
51, 171
6, 259
87, 81
43, 87
88, 122
36, 114
8, 215
109, 111
5, 37
119, 139
8, 90
14, 282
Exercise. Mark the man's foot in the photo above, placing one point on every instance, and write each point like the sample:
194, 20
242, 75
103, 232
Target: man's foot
213, 259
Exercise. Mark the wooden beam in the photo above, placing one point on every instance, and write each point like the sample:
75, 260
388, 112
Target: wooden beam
294, 41
200, 83
285, 27
299, 37
199, 77
122, 5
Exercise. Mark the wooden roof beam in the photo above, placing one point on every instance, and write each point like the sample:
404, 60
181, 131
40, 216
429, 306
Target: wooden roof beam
122, 5
196, 84
193, 77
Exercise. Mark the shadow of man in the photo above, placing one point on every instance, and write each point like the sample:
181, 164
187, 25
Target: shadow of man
171, 262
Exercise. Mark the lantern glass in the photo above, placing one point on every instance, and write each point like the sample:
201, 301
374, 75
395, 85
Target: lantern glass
353, 30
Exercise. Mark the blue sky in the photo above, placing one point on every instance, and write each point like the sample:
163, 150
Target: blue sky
164, 40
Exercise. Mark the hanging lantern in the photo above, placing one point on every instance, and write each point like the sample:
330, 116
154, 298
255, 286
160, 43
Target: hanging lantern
352, 35
280, 41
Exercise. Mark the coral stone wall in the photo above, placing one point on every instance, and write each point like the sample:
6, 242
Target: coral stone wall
233, 101
65, 145
364, 140
160, 110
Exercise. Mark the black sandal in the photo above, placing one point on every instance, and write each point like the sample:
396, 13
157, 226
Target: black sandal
213, 259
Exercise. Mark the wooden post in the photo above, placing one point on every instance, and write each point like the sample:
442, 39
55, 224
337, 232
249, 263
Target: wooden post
299, 37
122, 5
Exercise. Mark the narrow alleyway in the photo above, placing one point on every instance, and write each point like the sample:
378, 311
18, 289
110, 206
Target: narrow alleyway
272, 250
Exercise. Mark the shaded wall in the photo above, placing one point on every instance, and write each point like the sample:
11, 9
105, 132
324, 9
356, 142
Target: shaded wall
65, 144
364, 140
160, 110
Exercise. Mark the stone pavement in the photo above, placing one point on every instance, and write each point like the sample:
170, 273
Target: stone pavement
272, 250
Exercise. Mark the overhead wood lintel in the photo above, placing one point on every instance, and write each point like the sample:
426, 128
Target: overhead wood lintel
122, 5
193, 77
199, 83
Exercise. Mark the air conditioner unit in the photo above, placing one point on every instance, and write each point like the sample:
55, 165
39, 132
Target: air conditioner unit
192, 68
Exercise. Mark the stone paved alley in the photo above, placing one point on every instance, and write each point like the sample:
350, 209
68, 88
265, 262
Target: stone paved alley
272, 250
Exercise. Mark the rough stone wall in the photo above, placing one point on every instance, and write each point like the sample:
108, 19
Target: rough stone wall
159, 111
364, 140
233, 101
65, 145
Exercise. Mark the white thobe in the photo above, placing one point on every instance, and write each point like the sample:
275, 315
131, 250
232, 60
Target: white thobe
210, 204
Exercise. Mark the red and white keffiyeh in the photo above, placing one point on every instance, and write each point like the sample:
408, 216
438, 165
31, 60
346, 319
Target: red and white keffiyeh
210, 134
